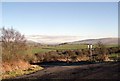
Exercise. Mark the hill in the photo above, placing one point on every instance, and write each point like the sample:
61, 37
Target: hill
94, 41
61, 40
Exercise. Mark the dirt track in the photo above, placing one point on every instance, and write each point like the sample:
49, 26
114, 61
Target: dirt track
90, 71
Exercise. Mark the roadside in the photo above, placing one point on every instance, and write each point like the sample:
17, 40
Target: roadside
14, 69
90, 71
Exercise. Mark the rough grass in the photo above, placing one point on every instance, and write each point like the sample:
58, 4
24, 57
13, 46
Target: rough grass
19, 72
114, 56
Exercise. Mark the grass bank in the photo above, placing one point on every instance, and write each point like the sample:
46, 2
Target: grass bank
15, 69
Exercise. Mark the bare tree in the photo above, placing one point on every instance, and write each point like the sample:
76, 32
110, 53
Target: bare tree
13, 43
102, 51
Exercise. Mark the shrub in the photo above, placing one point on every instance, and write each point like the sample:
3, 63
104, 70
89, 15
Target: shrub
13, 44
101, 52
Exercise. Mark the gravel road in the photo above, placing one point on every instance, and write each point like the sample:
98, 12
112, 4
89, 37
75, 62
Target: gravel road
75, 72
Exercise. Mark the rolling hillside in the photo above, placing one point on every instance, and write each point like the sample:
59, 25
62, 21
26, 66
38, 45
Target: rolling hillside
94, 41
68, 40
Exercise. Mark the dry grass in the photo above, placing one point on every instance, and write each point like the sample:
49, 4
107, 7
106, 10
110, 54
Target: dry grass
18, 69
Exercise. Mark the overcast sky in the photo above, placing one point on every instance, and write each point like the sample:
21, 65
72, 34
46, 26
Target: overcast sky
87, 19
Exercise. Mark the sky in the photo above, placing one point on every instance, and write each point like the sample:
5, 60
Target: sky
85, 19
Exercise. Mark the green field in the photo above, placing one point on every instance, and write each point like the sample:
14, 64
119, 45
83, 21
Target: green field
47, 48
114, 56
42, 49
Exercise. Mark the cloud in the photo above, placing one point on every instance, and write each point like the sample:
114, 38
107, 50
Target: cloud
52, 39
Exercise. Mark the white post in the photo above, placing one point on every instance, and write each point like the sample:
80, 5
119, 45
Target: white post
90, 50
88, 46
91, 46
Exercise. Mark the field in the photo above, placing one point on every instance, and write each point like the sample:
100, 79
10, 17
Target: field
114, 56
46, 48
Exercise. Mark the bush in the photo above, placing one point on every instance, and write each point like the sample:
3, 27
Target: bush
101, 52
13, 45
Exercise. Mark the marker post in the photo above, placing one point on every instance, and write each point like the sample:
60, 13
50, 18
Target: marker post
90, 50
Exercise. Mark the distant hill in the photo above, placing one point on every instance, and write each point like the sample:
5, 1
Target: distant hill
30, 42
94, 41
61, 40
51, 40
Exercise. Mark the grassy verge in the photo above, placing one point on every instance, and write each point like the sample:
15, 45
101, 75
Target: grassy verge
19, 72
